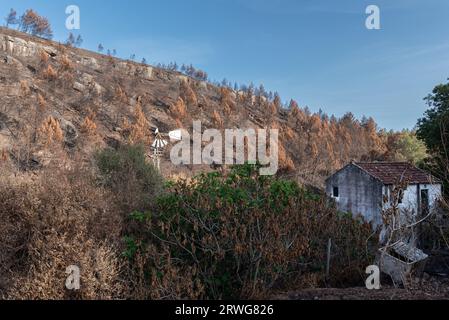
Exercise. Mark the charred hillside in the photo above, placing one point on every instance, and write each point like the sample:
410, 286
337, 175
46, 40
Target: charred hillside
60, 103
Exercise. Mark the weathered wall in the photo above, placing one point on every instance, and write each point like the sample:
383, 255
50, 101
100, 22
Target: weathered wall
410, 201
359, 193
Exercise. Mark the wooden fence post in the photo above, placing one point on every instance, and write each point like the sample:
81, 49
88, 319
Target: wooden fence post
328, 264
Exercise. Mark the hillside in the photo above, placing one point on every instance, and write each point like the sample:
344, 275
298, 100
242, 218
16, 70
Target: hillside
60, 102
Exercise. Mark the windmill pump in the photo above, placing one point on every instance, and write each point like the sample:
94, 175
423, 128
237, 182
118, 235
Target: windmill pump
160, 142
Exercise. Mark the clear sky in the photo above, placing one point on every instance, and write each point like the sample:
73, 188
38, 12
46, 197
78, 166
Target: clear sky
315, 51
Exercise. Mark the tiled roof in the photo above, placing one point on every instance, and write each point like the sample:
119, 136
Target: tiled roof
394, 172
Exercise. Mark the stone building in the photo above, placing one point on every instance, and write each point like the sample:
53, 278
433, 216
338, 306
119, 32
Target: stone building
362, 188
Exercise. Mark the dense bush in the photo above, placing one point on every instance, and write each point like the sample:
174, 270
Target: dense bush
238, 235
242, 236
133, 180
51, 222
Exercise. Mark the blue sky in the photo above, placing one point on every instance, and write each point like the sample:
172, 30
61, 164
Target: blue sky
314, 51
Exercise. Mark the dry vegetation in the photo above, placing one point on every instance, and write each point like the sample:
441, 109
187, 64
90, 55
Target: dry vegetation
203, 238
50, 223
243, 236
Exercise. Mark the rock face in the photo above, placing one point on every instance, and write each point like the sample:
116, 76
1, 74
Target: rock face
79, 87
203, 85
145, 72
11, 90
70, 132
18, 47
90, 63
22, 48
89, 82
183, 78
92, 97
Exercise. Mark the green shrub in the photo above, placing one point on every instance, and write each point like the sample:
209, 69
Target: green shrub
133, 180
243, 236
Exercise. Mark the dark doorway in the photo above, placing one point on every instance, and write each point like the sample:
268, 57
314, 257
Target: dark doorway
425, 202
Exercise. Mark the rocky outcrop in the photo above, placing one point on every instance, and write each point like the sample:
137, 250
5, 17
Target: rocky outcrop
203, 85
87, 82
130, 69
79, 87
147, 73
71, 134
183, 78
22, 48
91, 63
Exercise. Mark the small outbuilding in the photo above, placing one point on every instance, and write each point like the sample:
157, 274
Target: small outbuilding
362, 187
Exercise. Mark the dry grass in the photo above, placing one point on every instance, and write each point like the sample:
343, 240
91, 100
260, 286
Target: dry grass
42, 104
88, 127
120, 95
226, 100
217, 120
50, 223
49, 73
66, 64
43, 58
24, 88
188, 95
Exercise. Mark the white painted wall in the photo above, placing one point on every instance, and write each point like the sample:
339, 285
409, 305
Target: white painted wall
410, 199
409, 208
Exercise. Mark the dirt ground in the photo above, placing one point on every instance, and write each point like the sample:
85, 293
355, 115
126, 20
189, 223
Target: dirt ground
429, 288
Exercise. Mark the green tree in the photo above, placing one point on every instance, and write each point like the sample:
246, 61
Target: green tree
126, 171
433, 129
410, 148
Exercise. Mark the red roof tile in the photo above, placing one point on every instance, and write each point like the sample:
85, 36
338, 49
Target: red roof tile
394, 172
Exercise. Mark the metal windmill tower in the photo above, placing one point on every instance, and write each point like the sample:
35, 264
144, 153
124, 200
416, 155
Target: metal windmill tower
159, 144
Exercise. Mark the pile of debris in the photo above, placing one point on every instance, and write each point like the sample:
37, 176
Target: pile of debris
401, 262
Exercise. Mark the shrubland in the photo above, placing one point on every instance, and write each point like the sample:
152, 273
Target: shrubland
219, 235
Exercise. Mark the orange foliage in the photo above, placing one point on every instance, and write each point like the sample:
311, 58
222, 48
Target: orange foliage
139, 131
188, 95
217, 119
89, 126
226, 100
51, 132
285, 162
49, 73
66, 64
4, 155
42, 104
43, 57
24, 88
179, 110
120, 95
288, 133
